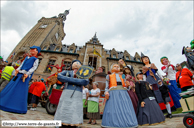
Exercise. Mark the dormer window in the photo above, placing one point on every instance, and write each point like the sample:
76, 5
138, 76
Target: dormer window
138, 59
71, 51
45, 48
114, 56
57, 49
127, 57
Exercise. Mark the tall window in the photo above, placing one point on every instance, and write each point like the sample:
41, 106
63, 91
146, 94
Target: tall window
114, 56
51, 62
92, 62
127, 57
43, 26
138, 59
67, 65
57, 36
40, 59
71, 51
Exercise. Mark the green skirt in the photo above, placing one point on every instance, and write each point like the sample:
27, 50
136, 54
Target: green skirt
84, 106
92, 106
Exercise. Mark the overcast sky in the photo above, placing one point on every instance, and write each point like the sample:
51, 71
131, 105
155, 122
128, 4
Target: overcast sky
157, 29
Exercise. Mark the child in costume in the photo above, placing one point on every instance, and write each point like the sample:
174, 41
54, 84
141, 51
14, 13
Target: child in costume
149, 112
164, 90
70, 107
14, 95
118, 111
129, 77
170, 71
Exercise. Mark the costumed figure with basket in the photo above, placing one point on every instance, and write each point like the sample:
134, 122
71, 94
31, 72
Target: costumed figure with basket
170, 71
149, 112
118, 111
69, 109
14, 95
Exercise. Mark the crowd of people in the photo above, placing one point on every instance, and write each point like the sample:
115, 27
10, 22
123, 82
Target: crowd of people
131, 99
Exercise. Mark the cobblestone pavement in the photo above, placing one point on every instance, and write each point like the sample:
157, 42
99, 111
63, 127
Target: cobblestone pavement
41, 114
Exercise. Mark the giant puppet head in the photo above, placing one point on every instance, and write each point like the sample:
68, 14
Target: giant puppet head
34, 50
145, 60
76, 64
115, 68
164, 60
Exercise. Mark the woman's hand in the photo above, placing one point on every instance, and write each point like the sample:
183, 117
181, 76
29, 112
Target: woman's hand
142, 104
107, 93
16, 72
86, 102
25, 75
150, 87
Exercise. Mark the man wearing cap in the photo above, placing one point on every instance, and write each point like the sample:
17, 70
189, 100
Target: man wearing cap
14, 95
7, 75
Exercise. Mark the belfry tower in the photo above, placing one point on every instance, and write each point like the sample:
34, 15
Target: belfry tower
47, 31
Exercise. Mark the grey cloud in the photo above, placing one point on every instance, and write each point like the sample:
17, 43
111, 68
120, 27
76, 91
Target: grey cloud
20, 16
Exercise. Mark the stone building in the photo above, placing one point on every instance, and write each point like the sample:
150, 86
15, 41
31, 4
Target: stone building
48, 34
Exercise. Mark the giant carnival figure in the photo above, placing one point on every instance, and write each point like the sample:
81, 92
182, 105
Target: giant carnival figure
118, 111
170, 71
127, 72
189, 54
69, 109
149, 70
149, 112
14, 95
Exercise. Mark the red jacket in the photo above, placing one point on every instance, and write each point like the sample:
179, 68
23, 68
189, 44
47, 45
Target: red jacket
185, 78
31, 88
39, 88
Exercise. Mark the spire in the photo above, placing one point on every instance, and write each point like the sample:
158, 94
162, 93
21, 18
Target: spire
94, 35
94, 39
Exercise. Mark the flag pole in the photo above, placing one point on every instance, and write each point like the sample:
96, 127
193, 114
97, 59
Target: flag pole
93, 57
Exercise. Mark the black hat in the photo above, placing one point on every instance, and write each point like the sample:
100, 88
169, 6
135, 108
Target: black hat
139, 73
142, 56
73, 62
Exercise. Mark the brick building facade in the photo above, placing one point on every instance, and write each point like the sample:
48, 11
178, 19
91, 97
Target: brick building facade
48, 33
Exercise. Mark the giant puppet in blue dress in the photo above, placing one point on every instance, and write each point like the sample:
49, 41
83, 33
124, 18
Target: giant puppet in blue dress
118, 111
14, 95
70, 107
